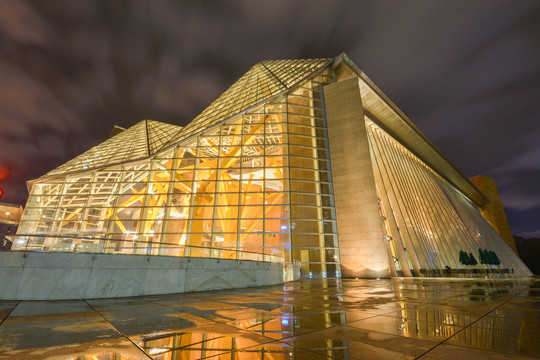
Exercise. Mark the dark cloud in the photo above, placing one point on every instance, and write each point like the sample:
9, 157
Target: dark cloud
468, 73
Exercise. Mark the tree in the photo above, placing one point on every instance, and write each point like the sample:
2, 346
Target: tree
491, 256
481, 256
463, 257
472, 260
496, 260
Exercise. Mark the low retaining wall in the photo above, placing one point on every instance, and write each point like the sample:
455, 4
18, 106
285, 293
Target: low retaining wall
54, 276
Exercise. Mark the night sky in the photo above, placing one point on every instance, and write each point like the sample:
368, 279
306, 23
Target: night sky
466, 72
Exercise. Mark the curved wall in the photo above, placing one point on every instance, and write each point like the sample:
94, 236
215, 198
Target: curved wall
55, 276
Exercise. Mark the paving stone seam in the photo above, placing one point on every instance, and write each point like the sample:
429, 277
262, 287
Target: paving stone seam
9, 313
474, 322
114, 327
313, 331
253, 332
307, 333
201, 316
216, 321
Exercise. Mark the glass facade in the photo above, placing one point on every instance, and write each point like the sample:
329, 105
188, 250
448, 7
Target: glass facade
250, 178
256, 187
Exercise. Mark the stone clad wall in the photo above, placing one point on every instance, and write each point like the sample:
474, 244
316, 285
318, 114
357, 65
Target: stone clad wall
54, 276
361, 245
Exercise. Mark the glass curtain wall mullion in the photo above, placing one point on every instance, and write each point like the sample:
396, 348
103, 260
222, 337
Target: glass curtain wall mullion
170, 249
453, 227
432, 217
423, 218
192, 194
392, 193
409, 221
27, 226
391, 250
440, 212
437, 209
463, 218
159, 190
452, 223
114, 210
307, 143
485, 240
471, 227
154, 204
419, 220
201, 220
143, 245
86, 209
418, 247
215, 252
317, 187
247, 138
265, 242
473, 216
250, 138
32, 212
288, 251
95, 214
55, 223
389, 221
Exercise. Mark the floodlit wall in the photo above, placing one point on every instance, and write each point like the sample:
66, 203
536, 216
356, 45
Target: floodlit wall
362, 248
257, 186
56, 276
427, 221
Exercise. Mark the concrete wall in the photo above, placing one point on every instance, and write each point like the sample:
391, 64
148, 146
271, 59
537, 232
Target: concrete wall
361, 245
53, 276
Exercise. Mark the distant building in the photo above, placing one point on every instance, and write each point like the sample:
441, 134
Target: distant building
494, 211
10, 215
298, 161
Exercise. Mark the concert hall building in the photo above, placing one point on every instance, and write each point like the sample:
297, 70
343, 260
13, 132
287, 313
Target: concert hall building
301, 162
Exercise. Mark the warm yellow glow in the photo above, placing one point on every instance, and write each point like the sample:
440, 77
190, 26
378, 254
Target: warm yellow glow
251, 187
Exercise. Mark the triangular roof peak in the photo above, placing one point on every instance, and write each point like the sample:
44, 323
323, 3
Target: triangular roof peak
263, 81
137, 142
266, 79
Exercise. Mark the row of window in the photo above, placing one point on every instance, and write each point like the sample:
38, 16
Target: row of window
298, 166
260, 131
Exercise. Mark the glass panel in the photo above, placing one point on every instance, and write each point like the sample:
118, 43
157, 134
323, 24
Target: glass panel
224, 192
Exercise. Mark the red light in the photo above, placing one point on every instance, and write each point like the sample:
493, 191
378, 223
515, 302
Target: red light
1, 192
4, 172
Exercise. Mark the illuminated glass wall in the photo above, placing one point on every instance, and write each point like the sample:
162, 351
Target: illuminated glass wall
313, 228
428, 222
257, 186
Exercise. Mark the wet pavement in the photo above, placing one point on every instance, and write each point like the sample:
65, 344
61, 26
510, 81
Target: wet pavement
308, 319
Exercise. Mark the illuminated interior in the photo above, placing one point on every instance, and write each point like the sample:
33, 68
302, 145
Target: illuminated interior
255, 187
250, 179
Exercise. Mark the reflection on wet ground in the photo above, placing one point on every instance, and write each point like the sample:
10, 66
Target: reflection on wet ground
308, 319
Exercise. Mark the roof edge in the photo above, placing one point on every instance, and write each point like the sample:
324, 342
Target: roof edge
465, 185
327, 63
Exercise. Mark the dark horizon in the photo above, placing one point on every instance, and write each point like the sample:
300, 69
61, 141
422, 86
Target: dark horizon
467, 74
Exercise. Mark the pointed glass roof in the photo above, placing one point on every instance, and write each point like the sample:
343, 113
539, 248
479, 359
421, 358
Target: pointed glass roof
159, 134
262, 81
139, 141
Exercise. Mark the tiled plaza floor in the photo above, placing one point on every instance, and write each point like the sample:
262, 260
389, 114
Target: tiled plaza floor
308, 319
